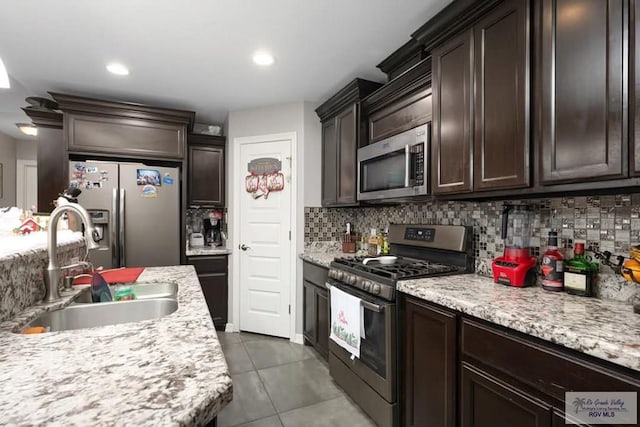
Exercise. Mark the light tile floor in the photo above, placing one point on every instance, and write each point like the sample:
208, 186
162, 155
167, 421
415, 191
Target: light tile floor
280, 384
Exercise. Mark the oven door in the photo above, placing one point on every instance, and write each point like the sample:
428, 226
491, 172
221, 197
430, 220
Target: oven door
377, 363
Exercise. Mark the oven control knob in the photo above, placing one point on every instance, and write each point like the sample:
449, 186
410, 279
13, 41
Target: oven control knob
376, 289
351, 279
366, 285
339, 275
332, 274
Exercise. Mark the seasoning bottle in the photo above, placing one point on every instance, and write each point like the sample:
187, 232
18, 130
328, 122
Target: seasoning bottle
552, 265
373, 242
580, 273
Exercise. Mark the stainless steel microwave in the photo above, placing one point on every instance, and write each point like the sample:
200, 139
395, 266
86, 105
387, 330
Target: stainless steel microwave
396, 167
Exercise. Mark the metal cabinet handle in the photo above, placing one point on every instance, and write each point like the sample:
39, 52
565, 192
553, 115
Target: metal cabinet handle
366, 304
243, 247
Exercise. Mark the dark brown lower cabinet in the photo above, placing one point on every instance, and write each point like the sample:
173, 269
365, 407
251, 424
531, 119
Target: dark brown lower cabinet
212, 274
430, 364
316, 308
488, 401
458, 370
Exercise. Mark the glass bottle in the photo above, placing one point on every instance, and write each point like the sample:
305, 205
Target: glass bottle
552, 266
580, 273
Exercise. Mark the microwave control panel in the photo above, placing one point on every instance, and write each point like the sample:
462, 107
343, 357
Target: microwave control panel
417, 163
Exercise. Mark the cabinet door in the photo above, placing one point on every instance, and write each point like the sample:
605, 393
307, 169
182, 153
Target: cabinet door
329, 163
309, 307
347, 122
206, 176
124, 136
322, 321
214, 288
634, 87
488, 401
429, 366
404, 114
582, 99
501, 102
452, 115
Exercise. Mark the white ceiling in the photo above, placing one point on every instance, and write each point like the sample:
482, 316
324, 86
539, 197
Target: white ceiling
196, 54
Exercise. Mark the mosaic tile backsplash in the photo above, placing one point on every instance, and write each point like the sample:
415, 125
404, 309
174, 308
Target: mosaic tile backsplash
604, 223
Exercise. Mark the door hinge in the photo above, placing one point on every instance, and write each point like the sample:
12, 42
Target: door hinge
289, 234
289, 308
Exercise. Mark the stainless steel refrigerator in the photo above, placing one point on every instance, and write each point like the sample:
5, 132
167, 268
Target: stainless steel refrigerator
136, 210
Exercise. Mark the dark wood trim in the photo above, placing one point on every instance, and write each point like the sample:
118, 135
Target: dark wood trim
44, 118
452, 20
412, 80
351, 93
633, 88
402, 59
81, 104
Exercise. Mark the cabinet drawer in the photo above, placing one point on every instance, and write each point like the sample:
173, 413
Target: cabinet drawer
209, 264
547, 369
315, 274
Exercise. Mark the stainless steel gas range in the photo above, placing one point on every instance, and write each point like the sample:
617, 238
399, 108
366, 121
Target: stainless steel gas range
422, 251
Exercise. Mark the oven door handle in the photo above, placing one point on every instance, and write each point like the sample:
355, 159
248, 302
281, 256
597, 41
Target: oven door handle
366, 304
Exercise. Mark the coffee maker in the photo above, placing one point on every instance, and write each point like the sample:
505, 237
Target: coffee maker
212, 230
516, 267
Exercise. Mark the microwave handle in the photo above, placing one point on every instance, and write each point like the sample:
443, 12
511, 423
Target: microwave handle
407, 165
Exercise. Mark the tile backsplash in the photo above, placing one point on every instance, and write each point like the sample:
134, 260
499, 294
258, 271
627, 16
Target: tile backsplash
604, 223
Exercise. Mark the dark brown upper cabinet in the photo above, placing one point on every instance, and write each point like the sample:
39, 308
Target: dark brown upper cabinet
123, 129
343, 132
400, 105
452, 116
53, 161
634, 87
206, 171
501, 104
481, 104
582, 100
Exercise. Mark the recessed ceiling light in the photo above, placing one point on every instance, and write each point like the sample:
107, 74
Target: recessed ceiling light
117, 68
4, 77
263, 58
27, 129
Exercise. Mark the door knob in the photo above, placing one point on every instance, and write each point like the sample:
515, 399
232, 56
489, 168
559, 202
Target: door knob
243, 247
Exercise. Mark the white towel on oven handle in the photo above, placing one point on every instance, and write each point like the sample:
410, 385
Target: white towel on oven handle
346, 320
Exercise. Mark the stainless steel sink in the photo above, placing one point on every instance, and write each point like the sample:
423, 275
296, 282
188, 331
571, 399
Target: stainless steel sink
107, 313
141, 291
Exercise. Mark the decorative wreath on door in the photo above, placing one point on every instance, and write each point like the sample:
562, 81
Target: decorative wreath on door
264, 177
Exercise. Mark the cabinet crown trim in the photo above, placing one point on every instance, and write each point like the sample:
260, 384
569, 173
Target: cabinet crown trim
351, 93
81, 104
413, 79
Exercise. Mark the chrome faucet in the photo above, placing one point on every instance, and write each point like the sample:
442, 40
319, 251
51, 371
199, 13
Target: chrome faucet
52, 275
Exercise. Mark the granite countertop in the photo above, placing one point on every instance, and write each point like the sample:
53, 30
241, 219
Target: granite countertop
206, 250
322, 253
14, 246
608, 330
167, 371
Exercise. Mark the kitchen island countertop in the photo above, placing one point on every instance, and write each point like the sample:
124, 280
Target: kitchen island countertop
166, 371
608, 330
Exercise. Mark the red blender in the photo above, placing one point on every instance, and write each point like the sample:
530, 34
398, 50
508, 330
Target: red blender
516, 267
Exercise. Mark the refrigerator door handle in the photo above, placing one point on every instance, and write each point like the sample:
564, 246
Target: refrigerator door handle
113, 225
121, 227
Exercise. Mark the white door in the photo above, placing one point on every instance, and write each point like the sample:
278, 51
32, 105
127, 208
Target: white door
265, 246
27, 184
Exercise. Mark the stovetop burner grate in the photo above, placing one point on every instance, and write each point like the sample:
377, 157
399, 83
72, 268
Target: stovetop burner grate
403, 268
